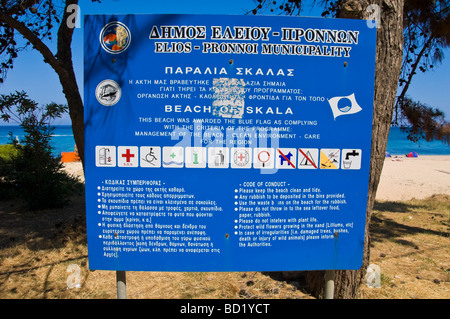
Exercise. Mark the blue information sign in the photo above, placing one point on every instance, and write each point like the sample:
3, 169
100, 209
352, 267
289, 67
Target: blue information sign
227, 143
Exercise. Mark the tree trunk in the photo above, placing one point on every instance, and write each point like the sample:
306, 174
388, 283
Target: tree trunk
389, 52
69, 82
76, 109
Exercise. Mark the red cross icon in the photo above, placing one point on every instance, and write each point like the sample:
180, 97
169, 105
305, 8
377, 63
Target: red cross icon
128, 155
241, 157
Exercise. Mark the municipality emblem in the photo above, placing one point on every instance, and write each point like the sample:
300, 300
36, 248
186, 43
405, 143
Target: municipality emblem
115, 37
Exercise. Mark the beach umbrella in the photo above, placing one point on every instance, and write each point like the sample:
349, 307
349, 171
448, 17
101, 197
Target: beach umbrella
412, 154
388, 154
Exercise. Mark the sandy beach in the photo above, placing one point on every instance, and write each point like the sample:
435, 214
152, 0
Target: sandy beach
402, 178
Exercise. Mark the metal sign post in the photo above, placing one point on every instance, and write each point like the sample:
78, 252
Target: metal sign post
121, 284
329, 284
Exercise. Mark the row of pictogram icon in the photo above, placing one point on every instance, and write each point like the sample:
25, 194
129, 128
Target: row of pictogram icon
223, 157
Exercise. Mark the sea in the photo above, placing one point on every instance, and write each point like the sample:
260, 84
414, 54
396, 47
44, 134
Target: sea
62, 139
398, 144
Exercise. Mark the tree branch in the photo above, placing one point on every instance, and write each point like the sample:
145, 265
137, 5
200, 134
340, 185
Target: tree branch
20, 6
34, 40
411, 74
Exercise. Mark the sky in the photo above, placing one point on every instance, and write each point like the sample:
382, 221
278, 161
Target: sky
32, 75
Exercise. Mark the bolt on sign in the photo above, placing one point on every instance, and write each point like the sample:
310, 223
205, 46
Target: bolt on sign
227, 143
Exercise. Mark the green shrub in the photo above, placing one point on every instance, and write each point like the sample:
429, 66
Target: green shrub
39, 180
8, 153
32, 173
